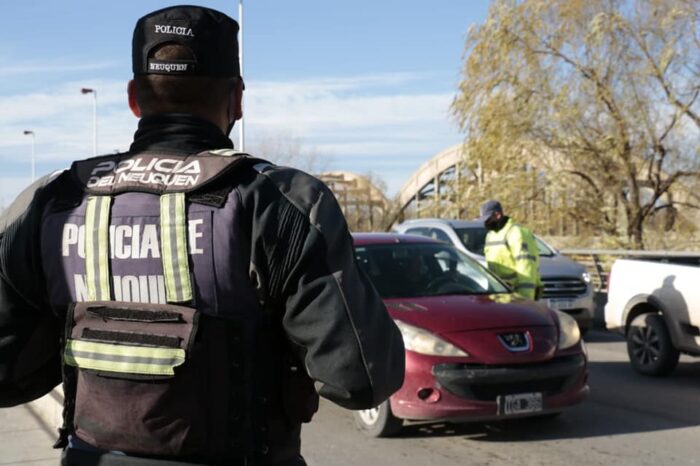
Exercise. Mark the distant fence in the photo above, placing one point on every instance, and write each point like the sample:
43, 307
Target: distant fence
599, 261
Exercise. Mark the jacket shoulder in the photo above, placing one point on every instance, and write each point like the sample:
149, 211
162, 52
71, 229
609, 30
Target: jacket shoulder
27, 199
515, 230
306, 192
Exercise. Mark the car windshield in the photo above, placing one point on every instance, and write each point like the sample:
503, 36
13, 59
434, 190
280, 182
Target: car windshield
543, 249
423, 269
474, 238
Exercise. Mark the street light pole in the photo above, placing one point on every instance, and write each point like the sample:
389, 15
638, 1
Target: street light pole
241, 128
87, 90
31, 133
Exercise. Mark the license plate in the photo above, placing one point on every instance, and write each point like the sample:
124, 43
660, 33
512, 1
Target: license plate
560, 304
522, 403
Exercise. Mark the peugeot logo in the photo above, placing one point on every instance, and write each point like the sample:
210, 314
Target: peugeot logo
516, 342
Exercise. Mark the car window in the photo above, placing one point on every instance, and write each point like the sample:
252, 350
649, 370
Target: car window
439, 235
411, 270
422, 231
473, 238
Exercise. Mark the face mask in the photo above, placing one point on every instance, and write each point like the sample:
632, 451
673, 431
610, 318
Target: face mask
496, 225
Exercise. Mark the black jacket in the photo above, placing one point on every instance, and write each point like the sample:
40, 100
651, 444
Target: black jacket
301, 263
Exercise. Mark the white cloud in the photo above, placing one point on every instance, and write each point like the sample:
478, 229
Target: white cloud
10, 186
33, 68
369, 118
62, 119
319, 105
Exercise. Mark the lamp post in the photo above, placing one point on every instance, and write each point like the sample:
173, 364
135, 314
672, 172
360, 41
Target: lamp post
31, 133
87, 90
241, 128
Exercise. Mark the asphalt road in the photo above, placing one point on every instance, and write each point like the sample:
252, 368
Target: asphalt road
627, 420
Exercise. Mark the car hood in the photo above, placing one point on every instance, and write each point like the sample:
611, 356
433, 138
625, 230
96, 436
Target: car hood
560, 266
456, 313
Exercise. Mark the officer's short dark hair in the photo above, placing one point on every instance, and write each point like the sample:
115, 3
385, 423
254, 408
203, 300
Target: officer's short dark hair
162, 93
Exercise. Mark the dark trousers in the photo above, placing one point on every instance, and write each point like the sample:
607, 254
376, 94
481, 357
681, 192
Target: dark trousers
74, 457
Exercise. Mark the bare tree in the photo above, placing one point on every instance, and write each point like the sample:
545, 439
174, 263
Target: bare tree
287, 150
362, 199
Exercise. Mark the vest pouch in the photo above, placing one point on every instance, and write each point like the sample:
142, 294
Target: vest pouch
147, 382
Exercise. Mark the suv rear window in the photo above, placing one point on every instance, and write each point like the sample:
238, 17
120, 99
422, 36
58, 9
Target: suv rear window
473, 239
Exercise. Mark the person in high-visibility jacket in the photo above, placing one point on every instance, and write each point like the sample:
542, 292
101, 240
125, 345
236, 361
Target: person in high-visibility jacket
511, 251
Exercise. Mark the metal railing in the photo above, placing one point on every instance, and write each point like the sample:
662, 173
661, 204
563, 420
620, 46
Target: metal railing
599, 261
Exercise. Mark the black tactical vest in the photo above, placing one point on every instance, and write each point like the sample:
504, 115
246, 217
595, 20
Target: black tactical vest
163, 326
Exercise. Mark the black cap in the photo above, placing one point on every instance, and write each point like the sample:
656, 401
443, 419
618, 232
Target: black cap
489, 208
210, 35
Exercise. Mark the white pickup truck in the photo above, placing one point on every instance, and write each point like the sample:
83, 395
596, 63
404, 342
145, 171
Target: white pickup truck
656, 305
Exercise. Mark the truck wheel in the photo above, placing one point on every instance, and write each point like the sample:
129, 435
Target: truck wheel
379, 421
649, 346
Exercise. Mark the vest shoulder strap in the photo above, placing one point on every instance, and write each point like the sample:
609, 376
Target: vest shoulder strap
155, 172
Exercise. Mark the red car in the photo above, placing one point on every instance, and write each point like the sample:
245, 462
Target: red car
474, 350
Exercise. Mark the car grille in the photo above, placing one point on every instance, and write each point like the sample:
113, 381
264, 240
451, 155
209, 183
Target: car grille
488, 382
563, 287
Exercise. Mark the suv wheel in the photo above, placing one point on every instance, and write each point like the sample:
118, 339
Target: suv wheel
649, 346
379, 421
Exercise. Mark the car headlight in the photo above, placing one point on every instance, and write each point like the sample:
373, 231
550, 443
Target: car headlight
423, 342
569, 333
586, 277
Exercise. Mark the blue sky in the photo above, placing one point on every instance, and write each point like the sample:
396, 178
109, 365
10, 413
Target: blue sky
364, 85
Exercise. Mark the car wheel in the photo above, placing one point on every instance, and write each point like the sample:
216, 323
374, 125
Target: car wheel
649, 346
379, 421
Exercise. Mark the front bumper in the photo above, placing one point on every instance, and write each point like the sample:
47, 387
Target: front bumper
581, 307
436, 390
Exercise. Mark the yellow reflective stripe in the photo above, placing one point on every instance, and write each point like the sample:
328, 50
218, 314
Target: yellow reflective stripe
97, 248
181, 247
495, 243
123, 358
173, 233
166, 248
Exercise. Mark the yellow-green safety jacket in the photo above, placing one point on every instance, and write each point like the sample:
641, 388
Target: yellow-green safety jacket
512, 254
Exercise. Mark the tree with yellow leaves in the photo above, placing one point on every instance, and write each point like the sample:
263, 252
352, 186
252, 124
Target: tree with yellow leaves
586, 106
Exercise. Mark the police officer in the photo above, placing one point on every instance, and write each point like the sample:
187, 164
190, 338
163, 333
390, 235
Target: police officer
510, 251
194, 301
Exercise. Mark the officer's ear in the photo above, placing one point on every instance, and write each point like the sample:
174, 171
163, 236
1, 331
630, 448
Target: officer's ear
236, 99
133, 100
